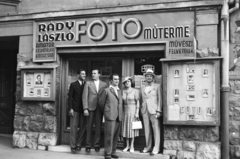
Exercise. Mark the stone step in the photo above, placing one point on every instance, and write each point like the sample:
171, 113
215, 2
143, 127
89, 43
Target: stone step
136, 154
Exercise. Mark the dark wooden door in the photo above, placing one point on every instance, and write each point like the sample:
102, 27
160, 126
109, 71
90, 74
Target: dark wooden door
7, 90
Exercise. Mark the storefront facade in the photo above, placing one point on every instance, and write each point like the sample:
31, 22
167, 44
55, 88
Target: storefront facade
123, 39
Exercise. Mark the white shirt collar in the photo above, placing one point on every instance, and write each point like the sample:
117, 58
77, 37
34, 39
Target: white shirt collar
116, 87
80, 81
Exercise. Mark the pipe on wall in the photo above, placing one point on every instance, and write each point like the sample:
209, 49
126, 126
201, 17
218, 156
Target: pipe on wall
225, 81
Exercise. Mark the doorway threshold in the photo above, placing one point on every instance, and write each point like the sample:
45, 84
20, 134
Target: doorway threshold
135, 155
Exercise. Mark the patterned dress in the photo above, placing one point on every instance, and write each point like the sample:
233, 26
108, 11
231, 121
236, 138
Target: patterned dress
130, 105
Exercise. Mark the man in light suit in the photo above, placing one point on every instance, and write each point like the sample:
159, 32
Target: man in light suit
111, 104
91, 92
151, 109
76, 111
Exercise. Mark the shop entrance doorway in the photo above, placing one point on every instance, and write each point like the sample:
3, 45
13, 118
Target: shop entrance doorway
125, 64
8, 63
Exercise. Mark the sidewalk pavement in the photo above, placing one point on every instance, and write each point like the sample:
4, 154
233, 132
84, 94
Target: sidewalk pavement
8, 152
59, 152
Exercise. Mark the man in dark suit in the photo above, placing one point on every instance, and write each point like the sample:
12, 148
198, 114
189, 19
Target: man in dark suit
111, 104
91, 93
76, 111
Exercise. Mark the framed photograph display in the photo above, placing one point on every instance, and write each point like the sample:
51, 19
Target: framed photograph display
194, 89
38, 83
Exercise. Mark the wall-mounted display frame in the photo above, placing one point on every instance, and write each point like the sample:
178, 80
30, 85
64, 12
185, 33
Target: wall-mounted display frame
198, 87
37, 83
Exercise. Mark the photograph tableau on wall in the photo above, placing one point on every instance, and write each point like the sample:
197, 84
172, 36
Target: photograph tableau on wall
190, 69
209, 111
190, 79
190, 117
49, 82
176, 73
205, 93
190, 97
182, 109
176, 92
29, 81
188, 110
31, 91
190, 87
199, 110
39, 92
176, 100
38, 79
46, 91
205, 72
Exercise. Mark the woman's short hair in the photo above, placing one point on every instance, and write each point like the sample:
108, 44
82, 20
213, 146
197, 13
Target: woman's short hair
132, 82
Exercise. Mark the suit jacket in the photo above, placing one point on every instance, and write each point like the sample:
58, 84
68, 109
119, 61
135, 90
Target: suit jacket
111, 104
152, 100
90, 95
75, 97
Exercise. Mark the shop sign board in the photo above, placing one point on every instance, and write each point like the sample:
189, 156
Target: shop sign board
175, 29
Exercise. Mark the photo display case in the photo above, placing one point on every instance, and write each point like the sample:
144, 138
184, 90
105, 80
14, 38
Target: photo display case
191, 91
37, 83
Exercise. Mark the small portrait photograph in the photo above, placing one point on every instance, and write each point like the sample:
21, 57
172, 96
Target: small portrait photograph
188, 110
190, 87
29, 81
205, 93
190, 69
190, 97
176, 92
46, 91
39, 92
190, 117
176, 100
190, 79
38, 79
209, 111
176, 73
49, 82
31, 91
205, 72
182, 109
199, 110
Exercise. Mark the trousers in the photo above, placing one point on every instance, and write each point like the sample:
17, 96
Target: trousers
75, 137
151, 123
111, 132
98, 116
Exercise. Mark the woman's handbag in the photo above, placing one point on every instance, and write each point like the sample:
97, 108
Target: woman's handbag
137, 124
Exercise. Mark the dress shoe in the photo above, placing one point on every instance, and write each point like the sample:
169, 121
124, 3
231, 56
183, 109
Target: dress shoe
107, 157
153, 153
114, 156
88, 149
126, 149
97, 149
73, 150
144, 151
79, 148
